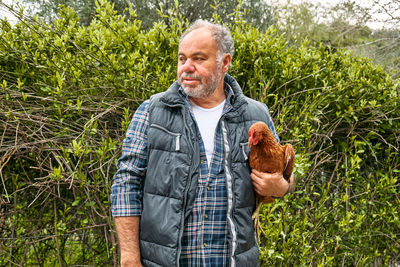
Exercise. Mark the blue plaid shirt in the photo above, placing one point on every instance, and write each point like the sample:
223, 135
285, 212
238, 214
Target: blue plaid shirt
204, 240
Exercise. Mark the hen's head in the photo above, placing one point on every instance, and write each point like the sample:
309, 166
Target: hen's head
258, 132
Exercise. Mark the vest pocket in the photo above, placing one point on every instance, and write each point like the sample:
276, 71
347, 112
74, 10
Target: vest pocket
176, 135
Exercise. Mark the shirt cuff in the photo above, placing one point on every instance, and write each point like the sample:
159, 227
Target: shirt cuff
126, 204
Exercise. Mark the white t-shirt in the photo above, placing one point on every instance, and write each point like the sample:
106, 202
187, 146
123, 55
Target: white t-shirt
207, 120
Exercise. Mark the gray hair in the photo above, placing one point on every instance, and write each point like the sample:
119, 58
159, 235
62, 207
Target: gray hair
219, 33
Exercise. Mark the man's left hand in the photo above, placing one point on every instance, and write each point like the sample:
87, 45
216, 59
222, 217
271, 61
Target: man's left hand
270, 184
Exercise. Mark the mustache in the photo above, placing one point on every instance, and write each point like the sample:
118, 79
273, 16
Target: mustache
190, 75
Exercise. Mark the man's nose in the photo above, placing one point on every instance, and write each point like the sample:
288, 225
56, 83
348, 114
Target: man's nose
188, 66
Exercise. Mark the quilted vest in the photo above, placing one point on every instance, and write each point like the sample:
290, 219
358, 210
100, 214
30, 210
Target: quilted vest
173, 171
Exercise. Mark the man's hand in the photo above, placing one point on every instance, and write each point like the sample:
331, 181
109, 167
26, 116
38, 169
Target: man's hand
128, 236
270, 184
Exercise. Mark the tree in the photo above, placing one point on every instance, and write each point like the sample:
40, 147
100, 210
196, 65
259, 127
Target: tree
349, 25
85, 9
383, 42
297, 22
258, 12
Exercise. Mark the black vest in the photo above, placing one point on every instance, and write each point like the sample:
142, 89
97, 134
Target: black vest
173, 171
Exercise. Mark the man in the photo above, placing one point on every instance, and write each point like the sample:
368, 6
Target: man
183, 194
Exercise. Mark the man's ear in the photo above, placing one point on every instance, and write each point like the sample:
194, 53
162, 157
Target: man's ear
226, 61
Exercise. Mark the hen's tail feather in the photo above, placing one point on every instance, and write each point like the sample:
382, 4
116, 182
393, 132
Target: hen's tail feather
289, 161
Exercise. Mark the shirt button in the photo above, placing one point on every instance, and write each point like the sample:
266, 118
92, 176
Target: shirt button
206, 215
199, 137
205, 245
202, 161
208, 188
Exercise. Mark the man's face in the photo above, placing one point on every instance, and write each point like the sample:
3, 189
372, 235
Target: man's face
199, 73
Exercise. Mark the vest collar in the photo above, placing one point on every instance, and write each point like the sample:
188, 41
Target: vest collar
175, 97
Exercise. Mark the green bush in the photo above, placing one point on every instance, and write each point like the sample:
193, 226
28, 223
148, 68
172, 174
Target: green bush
67, 94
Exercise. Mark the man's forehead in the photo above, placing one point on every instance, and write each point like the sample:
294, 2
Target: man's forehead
198, 39
201, 36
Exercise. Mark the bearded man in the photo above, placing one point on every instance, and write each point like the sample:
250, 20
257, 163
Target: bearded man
183, 194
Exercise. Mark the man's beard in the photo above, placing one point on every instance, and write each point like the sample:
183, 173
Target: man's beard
206, 87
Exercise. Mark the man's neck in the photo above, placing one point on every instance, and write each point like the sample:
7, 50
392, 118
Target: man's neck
213, 100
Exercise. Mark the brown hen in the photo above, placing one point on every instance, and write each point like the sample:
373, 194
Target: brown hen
267, 155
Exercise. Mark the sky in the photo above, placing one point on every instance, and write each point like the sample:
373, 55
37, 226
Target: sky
393, 6
390, 4
4, 13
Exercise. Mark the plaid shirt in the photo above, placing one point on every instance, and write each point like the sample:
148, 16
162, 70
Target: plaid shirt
204, 240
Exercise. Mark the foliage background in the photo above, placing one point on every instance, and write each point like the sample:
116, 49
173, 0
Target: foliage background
68, 91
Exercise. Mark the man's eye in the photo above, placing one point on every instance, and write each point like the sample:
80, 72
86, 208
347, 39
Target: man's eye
181, 59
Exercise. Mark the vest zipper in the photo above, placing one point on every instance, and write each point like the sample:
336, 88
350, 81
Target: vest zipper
229, 188
243, 145
187, 184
